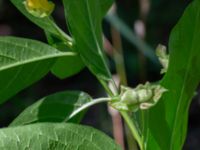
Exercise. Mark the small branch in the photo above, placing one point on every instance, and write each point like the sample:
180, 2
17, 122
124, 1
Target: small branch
87, 105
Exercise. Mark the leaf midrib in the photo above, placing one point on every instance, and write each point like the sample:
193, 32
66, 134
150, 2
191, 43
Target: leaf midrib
35, 59
95, 38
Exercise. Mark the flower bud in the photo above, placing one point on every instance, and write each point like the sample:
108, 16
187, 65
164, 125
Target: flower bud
144, 95
161, 52
130, 97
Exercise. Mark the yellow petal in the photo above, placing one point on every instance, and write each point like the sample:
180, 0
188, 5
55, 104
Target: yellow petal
39, 8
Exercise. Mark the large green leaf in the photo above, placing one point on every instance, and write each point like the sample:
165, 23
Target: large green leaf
63, 66
55, 136
84, 18
54, 108
23, 62
168, 120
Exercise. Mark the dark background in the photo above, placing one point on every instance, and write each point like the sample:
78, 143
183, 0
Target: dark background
161, 18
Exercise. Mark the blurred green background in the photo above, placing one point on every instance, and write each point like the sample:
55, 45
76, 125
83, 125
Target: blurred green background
159, 19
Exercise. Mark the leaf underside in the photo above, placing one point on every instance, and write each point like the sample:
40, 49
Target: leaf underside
55, 136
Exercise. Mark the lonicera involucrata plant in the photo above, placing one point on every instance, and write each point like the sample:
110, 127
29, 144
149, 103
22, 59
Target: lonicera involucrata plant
51, 123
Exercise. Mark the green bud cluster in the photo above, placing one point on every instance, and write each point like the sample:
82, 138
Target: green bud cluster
142, 97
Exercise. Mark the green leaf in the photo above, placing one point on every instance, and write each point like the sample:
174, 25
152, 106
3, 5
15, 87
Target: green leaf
45, 23
66, 67
48, 24
168, 120
63, 66
23, 62
105, 5
55, 136
57, 107
87, 34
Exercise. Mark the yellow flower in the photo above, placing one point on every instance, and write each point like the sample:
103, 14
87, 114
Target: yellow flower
39, 8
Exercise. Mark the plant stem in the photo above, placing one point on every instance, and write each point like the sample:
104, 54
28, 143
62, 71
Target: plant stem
110, 92
129, 122
133, 129
127, 119
87, 105
65, 37
121, 71
118, 56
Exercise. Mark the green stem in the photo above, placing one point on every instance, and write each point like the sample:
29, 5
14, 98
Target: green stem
105, 86
87, 105
133, 129
65, 37
121, 71
127, 119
